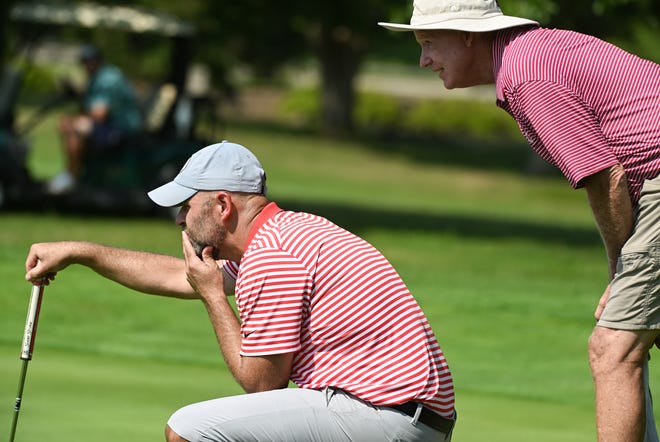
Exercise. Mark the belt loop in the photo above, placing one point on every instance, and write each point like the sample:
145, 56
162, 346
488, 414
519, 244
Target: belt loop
418, 412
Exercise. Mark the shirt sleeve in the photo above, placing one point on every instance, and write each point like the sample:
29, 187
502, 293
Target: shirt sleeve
109, 87
272, 293
562, 129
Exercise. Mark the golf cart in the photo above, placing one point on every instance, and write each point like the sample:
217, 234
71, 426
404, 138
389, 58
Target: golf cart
114, 182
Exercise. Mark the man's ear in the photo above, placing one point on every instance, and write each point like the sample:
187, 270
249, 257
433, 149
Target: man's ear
224, 203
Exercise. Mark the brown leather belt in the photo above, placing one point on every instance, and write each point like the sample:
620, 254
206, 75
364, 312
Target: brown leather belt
427, 417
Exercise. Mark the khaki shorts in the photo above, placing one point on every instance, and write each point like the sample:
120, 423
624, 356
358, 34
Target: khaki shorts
634, 301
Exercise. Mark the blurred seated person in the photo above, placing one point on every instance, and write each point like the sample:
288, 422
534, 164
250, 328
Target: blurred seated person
110, 113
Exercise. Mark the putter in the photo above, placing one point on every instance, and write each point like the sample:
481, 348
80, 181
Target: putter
29, 336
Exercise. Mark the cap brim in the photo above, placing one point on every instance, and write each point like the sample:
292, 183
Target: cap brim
171, 194
464, 24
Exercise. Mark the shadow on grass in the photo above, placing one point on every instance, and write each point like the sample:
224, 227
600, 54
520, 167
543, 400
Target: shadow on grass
453, 150
512, 155
360, 219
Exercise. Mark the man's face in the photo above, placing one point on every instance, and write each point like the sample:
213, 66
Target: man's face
91, 65
196, 219
447, 54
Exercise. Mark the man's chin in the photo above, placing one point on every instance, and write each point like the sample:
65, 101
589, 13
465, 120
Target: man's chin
449, 84
198, 248
215, 254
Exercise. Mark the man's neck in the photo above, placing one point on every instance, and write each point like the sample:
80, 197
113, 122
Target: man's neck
251, 206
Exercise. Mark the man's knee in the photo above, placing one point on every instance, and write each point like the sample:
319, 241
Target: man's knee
611, 349
597, 347
172, 436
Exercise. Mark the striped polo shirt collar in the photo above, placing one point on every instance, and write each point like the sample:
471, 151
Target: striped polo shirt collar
500, 43
267, 213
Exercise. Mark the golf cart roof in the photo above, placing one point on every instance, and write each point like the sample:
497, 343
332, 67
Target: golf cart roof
92, 15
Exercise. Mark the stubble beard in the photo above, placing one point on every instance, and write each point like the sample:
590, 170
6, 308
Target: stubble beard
214, 236
215, 240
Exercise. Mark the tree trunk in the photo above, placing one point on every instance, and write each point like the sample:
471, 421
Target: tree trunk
340, 56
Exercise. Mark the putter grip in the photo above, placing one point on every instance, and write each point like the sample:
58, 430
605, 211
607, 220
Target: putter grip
30, 332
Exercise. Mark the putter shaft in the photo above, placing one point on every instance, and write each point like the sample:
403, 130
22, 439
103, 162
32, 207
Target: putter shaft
19, 399
29, 335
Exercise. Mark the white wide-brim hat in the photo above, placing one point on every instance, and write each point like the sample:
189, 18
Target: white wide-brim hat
458, 15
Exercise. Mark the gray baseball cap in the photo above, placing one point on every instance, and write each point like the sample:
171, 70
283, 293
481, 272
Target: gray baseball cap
222, 166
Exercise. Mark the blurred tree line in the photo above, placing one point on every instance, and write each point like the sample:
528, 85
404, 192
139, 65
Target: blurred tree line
340, 35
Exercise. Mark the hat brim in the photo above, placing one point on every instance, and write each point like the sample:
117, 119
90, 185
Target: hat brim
171, 194
464, 24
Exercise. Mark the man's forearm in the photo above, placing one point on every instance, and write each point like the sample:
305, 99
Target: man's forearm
253, 374
142, 271
227, 331
610, 203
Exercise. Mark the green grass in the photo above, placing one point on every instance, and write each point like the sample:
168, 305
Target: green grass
507, 267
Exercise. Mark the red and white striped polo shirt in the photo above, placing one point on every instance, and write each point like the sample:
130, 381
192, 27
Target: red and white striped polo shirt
309, 287
583, 104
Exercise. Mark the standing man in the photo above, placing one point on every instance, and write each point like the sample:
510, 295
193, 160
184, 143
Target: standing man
110, 114
317, 306
592, 110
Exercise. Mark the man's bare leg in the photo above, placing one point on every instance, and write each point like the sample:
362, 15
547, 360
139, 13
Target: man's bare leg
74, 132
81, 128
617, 358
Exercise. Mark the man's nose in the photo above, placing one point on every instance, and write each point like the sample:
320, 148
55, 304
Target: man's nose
424, 60
180, 219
